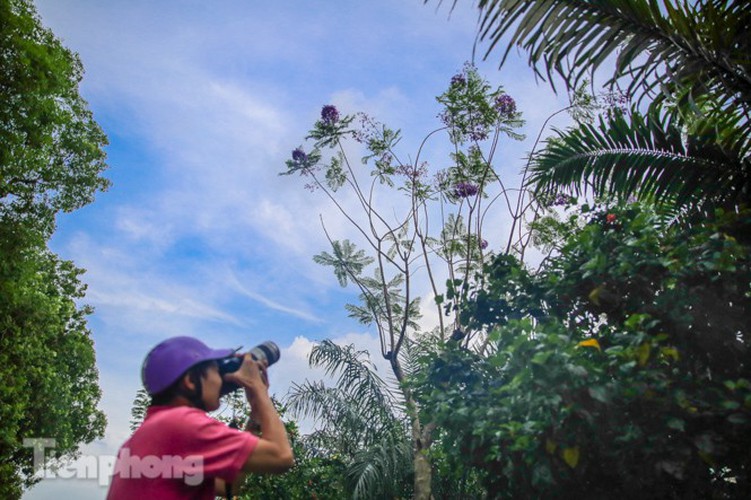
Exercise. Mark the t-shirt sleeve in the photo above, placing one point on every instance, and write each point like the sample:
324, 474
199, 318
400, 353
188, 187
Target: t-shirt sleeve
224, 450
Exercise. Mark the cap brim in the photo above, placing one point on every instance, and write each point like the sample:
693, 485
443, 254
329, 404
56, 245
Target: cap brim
221, 353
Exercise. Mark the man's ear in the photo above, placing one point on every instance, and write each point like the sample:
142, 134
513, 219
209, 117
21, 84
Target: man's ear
187, 382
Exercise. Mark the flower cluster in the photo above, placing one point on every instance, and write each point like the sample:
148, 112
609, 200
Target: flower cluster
616, 100
458, 80
465, 189
562, 199
610, 218
329, 114
299, 155
505, 105
413, 172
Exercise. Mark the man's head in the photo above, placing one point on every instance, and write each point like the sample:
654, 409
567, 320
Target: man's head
184, 367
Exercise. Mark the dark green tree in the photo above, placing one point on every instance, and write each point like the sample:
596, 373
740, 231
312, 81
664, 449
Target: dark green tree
47, 363
51, 160
316, 474
51, 154
619, 370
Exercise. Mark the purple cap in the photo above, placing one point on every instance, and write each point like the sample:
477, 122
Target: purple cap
166, 362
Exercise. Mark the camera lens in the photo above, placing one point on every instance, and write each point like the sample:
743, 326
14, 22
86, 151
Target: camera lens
268, 351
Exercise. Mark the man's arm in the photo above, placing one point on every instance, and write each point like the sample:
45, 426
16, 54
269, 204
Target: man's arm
273, 453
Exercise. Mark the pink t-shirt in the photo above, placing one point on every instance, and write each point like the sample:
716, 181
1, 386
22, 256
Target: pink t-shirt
176, 454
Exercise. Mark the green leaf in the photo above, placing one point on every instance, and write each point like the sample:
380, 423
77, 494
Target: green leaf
677, 424
599, 393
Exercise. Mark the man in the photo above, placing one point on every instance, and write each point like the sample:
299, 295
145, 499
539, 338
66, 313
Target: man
179, 451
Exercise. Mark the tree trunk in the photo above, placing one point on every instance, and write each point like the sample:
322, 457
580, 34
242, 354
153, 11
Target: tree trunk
423, 472
421, 441
420, 445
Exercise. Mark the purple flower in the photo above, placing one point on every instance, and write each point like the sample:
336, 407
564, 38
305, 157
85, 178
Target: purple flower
563, 199
413, 172
458, 80
329, 114
483, 244
299, 155
465, 189
505, 105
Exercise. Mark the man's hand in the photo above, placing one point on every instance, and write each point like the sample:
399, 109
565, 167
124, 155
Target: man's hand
251, 376
273, 452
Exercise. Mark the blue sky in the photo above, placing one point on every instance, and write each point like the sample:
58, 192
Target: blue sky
202, 103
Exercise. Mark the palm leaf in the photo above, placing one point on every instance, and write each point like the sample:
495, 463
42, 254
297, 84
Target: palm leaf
647, 156
381, 470
704, 45
358, 419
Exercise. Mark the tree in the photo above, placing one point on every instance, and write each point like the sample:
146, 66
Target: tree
51, 158
316, 475
408, 253
141, 404
359, 420
686, 62
47, 362
619, 370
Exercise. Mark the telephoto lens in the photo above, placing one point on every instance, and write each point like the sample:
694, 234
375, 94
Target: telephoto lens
268, 351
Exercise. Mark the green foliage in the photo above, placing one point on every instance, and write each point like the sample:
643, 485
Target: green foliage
47, 363
620, 369
698, 47
359, 421
687, 62
345, 260
313, 476
471, 109
141, 403
51, 156
649, 155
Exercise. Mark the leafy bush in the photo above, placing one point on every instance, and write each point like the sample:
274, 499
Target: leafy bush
618, 369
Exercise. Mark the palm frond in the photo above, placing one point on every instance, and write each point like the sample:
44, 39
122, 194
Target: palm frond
381, 470
700, 45
333, 411
356, 374
646, 156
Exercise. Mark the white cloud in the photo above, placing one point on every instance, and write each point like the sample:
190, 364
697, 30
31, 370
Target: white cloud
259, 297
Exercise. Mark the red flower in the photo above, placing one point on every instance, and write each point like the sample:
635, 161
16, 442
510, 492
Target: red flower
610, 218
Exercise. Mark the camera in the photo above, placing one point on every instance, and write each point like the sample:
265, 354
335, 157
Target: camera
268, 351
